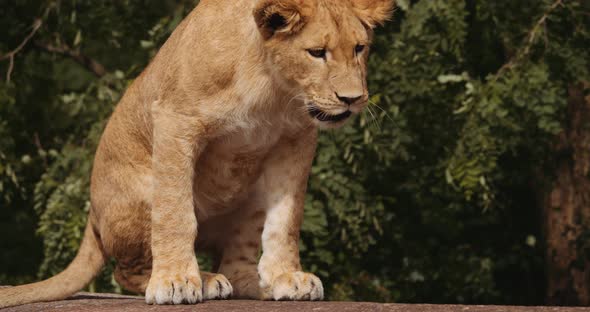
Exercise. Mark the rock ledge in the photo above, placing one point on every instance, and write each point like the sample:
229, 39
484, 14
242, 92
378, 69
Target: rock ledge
85, 302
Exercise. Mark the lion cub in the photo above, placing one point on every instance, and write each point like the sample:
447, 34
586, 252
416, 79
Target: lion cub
210, 150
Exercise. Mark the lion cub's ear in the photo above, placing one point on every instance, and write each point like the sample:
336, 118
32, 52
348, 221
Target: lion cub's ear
282, 17
373, 12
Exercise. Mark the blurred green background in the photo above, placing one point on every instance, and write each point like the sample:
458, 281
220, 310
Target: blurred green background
467, 181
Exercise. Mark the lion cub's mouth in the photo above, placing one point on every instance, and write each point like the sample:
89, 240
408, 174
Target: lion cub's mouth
323, 116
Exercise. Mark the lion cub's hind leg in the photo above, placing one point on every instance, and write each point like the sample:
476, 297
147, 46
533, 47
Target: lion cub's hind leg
240, 254
216, 286
134, 280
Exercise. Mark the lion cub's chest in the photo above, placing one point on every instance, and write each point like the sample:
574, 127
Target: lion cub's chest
229, 167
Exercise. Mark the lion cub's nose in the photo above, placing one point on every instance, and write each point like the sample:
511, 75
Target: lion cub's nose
348, 99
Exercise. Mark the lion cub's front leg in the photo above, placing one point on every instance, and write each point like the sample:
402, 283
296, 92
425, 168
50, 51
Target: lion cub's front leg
284, 182
175, 275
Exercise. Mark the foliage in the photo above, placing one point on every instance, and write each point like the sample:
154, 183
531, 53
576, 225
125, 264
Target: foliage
427, 197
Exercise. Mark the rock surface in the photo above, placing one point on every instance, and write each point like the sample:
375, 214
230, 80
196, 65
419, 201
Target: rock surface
84, 302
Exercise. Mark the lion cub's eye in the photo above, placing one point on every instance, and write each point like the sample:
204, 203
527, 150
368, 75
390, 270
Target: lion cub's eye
317, 53
359, 48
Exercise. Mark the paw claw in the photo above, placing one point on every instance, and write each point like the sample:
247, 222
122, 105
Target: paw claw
298, 286
216, 286
163, 289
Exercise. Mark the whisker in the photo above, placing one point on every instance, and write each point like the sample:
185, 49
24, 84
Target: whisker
297, 96
384, 111
305, 109
375, 121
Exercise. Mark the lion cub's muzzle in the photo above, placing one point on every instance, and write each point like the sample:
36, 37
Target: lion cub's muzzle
336, 114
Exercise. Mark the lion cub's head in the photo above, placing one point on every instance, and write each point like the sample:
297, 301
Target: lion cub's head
319, 49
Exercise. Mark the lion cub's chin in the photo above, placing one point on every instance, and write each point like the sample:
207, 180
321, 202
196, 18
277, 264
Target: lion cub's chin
325, 125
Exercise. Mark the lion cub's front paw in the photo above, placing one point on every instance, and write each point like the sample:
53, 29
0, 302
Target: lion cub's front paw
297, 286
216, 286
174, 288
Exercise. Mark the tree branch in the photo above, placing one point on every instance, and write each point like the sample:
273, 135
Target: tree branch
93, 66
10, 55
529, 41
36, 26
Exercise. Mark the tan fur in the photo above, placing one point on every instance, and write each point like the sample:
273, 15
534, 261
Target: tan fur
373, 12
210, 150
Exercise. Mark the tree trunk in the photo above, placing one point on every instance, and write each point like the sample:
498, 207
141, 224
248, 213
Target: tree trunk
567, 208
